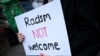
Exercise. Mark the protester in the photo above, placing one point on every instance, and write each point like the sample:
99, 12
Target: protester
83, 26
26, 5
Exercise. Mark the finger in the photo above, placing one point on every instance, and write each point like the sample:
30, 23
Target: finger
19, 33
41, 54
21, 40
21, 36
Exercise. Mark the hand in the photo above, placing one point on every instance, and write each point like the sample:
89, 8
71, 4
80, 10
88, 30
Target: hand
21, 37
41, 54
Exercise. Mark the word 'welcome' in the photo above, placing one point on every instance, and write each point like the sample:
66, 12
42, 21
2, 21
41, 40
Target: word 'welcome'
37, 20
44, 46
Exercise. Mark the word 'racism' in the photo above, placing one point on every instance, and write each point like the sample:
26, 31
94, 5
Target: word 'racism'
37, 20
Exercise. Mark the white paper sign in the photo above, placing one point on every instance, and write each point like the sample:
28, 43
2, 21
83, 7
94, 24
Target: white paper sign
45, 31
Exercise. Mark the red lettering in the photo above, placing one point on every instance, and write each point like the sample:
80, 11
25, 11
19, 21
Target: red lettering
40, 32
44, 28
35, 34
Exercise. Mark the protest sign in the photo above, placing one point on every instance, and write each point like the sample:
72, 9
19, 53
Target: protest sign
45, 31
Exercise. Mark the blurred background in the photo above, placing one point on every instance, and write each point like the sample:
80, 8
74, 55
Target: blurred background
9, 45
